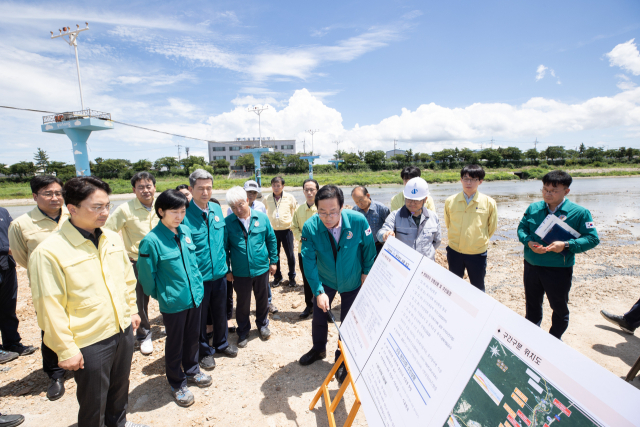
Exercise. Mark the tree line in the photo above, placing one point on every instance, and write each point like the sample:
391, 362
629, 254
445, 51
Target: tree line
277, 162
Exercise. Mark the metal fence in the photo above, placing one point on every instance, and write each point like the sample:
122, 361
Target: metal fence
75, 115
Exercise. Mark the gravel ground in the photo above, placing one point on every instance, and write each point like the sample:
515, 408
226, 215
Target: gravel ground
265, 385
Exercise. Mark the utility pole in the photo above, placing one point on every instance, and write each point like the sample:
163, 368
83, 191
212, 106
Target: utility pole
337, 148
312, 132
491, 142
179, 147
72, 37
535, 144
304, 146
186, 149
258, 111
394, 146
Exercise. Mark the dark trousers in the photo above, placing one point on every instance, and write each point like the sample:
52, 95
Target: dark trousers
319, 326
308, 295
285, 238
182, 345
142, 301
632, 317
50, 362
214, 303
476, 266
8, 299
243, 287
103, 384
556, 283
229, 300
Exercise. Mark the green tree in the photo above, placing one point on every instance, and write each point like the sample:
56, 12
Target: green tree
425, 157
532, 154
611, 153
188, 163
554, 152
594, 153
222, 163
61, 168
294, 164
632, 152
468, 156
247, 161
163, 162
142, 165
622, 152
511, 154
339, 154
4, 169
273, 161
582, 150
351, 160
572, 153
42, 159
408, 156
492, 156
108, 168
375, 159
22, 169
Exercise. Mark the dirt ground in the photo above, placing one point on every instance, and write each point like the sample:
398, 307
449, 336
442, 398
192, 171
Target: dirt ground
266, 386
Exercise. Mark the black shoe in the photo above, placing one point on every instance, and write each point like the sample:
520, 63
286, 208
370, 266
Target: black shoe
341, 374
292, 283
265, 333
210, 335
619, 321
56, 389
232, 329
243, 341
276, 283
22, 350
8, 356
229, 351
208, 363
312, 356
308, 310
272, 308
11, 420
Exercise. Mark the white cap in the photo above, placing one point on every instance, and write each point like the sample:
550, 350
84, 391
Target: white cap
416, 189
252, 186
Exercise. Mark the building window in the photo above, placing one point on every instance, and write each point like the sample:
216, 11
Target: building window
233, 157
220, 157
218, 148
234, 148
287, 147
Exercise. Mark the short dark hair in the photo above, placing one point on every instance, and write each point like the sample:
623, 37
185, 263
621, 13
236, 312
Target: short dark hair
77, 189
182, 187
139, 176
474, 171
310, 180
330, 191
170, 199
214, 200
38, 182
277, 179
556, 178
409, 172
360, 187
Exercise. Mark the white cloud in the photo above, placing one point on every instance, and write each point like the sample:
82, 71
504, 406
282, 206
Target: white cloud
624, 82
542, 71
626, 56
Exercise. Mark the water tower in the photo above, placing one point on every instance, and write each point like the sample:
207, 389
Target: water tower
77, 125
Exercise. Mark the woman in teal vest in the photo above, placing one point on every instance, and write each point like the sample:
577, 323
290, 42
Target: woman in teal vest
168, 272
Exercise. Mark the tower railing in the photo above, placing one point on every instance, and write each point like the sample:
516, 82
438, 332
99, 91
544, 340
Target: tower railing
75, 115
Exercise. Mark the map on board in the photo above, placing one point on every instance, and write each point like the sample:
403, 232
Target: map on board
505, 392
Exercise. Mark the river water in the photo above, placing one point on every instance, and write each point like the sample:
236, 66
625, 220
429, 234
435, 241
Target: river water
609, 199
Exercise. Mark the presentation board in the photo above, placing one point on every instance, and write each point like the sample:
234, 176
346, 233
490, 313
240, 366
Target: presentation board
427, 348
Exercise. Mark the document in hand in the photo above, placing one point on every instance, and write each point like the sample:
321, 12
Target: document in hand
553, 229
427, 348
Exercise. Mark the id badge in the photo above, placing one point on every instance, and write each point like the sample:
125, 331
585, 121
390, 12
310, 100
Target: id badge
277, 215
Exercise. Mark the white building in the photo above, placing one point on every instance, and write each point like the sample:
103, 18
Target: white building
230, 150
392, 153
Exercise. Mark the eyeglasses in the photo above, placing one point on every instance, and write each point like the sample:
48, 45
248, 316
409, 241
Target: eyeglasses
553, 192
470, 180
50, 194
328, 215
98, 209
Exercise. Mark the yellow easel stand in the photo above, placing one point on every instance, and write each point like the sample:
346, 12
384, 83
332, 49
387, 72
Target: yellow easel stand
324, 390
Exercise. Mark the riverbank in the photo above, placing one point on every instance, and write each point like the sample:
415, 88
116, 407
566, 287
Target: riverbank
266, 386
11, 192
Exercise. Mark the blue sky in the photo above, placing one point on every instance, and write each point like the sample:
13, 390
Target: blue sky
430, 74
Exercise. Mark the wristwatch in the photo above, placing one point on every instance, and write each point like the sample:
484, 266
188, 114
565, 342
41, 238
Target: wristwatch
566, 245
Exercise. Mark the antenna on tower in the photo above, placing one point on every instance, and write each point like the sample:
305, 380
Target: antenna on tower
179, 147
186, 150
72, 40
492, 142
312, 132
535, 144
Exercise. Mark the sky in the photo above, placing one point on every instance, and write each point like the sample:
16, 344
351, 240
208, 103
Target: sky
429, 74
